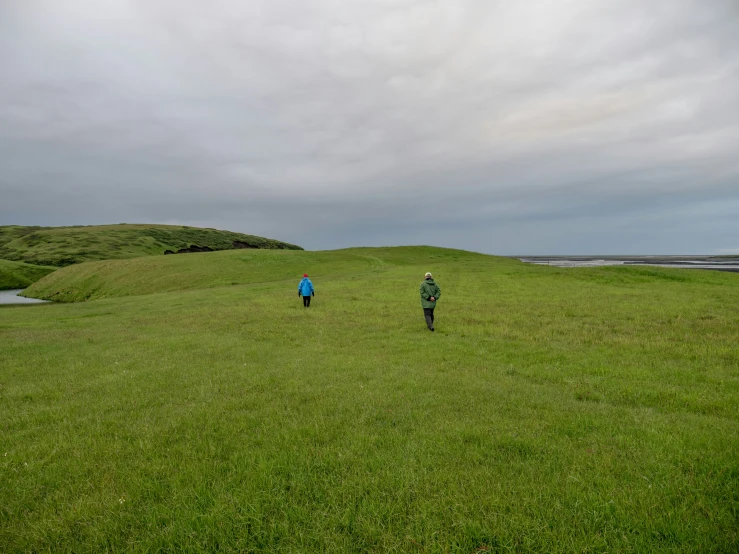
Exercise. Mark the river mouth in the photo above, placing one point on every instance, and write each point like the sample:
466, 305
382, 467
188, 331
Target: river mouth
12, 297
677, 262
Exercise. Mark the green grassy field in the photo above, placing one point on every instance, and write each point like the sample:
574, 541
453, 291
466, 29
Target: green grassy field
63, 246
554, 410
17, 275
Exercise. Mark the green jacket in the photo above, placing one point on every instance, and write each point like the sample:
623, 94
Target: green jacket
429, 288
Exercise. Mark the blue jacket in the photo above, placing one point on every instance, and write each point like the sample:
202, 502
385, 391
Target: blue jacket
305, 287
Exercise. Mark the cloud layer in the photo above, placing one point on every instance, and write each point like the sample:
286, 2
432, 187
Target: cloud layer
580, 126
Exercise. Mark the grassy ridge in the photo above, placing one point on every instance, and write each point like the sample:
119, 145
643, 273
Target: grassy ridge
556, 410
138, 276
17, 275
62, 246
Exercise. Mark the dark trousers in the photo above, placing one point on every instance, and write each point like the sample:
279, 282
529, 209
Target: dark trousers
428, 313
306, 301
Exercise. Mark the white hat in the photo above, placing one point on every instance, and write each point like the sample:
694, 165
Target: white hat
428, 274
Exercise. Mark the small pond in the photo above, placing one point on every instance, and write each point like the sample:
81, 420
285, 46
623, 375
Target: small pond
11, 297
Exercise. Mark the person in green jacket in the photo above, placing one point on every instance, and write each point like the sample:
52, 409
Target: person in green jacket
430, 293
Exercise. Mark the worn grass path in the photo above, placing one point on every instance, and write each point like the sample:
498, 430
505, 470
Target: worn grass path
554, 410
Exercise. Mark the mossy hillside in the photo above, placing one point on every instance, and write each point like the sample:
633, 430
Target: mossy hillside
62, 246
18, 275
553, 410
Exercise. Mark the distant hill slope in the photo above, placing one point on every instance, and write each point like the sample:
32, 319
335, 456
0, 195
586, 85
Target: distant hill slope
63, 246
18, 275
9, 233
149, 275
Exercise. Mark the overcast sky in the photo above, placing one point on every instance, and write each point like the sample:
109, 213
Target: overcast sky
502, 126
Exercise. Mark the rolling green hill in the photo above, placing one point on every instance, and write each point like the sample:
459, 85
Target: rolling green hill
216, 269
63, 246
553, 410
18, 275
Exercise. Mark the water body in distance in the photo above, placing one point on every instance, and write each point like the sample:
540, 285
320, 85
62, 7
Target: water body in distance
679, 262
11, 297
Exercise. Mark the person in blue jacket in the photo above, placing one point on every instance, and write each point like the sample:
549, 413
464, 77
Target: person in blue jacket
305, 289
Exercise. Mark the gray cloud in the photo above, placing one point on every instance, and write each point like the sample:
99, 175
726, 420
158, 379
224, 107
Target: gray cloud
508, 127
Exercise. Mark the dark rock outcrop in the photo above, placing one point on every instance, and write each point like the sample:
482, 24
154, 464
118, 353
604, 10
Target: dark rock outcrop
242, 244
193, 248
